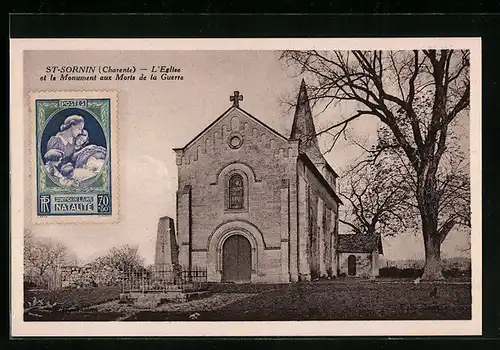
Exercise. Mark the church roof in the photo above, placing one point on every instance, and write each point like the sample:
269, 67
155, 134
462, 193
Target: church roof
303, 125
304, 158
359, 243
331, 169
222, 116
303, 128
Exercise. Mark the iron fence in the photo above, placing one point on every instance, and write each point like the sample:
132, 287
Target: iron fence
164, 278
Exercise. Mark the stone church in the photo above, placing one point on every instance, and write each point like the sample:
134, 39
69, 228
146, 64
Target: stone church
254, 205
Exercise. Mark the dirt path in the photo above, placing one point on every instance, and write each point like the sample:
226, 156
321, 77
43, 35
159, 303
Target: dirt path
210, 303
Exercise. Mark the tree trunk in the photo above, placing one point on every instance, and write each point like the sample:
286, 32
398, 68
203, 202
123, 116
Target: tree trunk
428, 204
432, 269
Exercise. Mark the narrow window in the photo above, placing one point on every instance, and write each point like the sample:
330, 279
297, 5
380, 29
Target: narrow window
236, 192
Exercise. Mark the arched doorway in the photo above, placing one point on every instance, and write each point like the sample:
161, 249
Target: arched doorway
236, 259
351, 265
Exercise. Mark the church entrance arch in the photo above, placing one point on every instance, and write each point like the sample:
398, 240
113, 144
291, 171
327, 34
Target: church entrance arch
216, 248
236, 259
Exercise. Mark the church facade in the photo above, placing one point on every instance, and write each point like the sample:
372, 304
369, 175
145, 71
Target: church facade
254, 205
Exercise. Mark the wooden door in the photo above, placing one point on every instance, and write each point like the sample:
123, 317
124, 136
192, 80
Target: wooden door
351, 265
236, 259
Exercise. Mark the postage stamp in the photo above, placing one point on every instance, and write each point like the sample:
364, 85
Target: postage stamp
261, 207
74, 153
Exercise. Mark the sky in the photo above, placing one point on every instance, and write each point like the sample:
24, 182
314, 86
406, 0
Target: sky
156, 116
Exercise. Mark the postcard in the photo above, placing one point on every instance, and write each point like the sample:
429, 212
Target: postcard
246, 187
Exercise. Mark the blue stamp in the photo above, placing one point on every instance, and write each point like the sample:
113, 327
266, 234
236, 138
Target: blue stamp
74, 156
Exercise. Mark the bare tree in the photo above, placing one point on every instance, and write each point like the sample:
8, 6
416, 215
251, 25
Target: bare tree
418, 96
376, 199
29, 242
42, 258
124, 258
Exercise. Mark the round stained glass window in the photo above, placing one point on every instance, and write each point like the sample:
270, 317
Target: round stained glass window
235, 141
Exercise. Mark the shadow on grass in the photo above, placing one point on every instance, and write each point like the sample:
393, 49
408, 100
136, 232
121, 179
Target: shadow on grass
345, 300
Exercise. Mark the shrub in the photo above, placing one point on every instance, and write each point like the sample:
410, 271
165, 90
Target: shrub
394, 272
456, 272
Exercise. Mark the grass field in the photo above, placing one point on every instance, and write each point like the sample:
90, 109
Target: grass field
77, 298
348, 299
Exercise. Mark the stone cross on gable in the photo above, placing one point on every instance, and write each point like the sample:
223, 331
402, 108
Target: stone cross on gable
236, 98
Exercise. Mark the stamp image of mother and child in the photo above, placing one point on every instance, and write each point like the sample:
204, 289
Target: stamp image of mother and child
73, 146
70, 160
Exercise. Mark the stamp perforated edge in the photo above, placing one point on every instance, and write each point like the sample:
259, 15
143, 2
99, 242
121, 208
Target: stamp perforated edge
33, 216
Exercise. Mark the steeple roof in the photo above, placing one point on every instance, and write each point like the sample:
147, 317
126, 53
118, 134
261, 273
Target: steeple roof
303, 127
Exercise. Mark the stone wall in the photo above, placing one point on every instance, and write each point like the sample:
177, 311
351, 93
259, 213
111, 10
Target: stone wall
363, 264
275, 216
264, 160
317, 215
